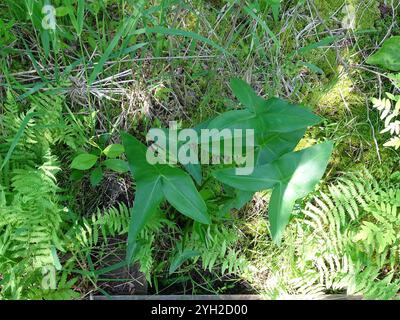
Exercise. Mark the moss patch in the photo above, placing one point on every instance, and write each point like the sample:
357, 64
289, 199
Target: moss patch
364, 14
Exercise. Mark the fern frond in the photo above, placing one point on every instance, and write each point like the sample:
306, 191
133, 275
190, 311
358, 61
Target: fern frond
346, 239
389, 109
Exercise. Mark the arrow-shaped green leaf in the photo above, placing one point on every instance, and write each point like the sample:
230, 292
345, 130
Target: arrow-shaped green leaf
246, 95
388, 56
299, 172
277, 144
182, 194
154, 183
148, 197
275, 115
292, 176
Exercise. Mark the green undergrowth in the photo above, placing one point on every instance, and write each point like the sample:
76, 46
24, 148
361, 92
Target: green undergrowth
73, 91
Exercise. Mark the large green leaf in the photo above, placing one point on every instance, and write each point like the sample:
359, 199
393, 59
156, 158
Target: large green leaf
194, 169
278, 127
155, 183
114, 151
276, 115
292, 176
148, 197
299, 174
277, 144
274, 146
84, 161
96, 176
116, 165
136, 154
246, 95
262, 178
182, 194
282, 116
148, 193
388, 56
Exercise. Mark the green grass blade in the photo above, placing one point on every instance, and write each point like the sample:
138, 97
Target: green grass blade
263, 25
324, 42
182, 33
17, 137
80, 16
100, 64
31, 91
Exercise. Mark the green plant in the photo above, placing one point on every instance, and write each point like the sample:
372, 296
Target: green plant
93, 236
277, 125
215, 245
388, 57
87, 161
6, 36
125, 66
153, 183
344, 239
389, 108
31, 213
